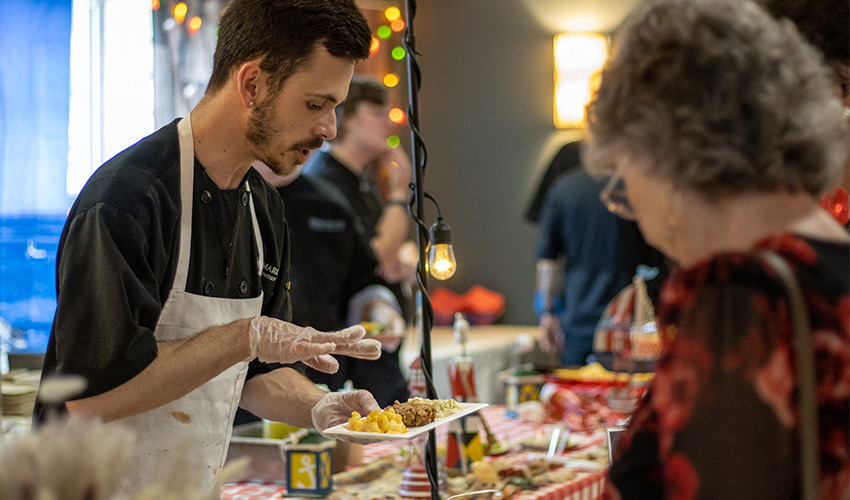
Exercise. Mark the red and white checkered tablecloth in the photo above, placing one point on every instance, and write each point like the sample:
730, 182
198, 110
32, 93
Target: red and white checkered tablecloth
584, 487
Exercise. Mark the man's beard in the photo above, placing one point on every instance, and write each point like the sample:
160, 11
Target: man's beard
261, 129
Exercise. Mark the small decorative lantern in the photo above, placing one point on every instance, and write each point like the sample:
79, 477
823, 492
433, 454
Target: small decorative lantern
416, 384
523, 386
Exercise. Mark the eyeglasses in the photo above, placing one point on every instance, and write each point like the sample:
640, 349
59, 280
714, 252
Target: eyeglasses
615, 199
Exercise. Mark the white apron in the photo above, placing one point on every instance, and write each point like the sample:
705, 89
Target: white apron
199, 424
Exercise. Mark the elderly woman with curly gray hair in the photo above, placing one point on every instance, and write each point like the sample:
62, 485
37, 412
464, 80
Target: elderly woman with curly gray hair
720, 129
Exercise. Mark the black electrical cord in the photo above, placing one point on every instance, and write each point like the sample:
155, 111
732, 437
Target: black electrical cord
419, 157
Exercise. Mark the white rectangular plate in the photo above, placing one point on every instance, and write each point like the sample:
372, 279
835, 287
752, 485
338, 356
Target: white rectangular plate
342, 430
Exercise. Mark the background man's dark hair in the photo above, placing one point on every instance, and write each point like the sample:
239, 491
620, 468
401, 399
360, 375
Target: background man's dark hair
826, 25
358, 92
284, 33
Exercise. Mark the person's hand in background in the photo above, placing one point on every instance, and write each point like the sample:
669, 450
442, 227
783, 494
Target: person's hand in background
551, 337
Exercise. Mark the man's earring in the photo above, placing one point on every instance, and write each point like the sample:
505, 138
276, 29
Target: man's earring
251, 104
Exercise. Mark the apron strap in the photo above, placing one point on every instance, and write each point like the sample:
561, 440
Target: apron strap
187, 179
257, 237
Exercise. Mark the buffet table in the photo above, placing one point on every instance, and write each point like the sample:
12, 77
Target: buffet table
585, 486
490, 346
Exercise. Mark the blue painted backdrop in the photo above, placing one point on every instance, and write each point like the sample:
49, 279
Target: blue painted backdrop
34, 94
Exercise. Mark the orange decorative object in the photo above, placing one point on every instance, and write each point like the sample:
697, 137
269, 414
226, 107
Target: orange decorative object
480, 305
445, 303
483, 306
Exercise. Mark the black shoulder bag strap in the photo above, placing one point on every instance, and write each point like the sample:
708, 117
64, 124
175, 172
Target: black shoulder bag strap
806, 385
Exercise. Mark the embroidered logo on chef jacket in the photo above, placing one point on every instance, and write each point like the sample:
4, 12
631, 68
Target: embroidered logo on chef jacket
270, 272
326, 225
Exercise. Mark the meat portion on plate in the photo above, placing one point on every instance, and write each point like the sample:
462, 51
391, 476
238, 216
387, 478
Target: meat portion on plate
415, 414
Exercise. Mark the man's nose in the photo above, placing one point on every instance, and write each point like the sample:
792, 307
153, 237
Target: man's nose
326, 127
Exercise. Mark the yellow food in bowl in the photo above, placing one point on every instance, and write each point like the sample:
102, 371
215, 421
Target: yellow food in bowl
383, 421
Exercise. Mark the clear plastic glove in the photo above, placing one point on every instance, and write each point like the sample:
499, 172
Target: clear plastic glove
335, 408
276, 341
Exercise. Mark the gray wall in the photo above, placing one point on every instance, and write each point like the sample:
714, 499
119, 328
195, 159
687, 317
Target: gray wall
486, 117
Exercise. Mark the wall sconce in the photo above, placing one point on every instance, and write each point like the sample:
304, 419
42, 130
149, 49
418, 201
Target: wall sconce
578, 59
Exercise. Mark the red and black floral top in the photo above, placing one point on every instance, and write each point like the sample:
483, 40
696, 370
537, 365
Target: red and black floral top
720, 418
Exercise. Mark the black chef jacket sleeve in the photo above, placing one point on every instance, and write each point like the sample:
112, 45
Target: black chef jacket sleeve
108, 299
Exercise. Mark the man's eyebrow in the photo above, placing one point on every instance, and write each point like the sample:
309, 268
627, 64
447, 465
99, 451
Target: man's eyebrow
327, 97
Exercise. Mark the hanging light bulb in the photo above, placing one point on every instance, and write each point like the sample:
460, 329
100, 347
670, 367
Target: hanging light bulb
441, 255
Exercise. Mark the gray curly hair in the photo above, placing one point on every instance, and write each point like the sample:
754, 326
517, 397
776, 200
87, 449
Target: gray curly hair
718, 97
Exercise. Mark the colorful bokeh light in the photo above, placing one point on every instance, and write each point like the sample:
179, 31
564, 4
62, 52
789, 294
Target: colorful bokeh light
397, 25
384, 32
393, 141
392, 13
194, 24
391, 80
397, 116
179, 12
155, 5
398, 53
374, 46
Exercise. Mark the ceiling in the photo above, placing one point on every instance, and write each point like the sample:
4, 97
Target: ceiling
557, 16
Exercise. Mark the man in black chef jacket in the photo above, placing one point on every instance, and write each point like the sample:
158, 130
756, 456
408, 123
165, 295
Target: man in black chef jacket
335, 282
363, 130
172, 268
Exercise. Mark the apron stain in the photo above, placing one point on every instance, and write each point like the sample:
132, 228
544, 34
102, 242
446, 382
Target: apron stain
183, 418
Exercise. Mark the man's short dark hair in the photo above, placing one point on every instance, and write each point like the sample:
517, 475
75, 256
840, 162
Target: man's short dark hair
360, 91
826, 25
284, 33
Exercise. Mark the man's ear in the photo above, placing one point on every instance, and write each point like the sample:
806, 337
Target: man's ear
251, 83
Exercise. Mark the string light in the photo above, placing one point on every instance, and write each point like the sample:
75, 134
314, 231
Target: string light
180, 11
393, 141
391, 80
441, 255
398, 53
384, 32
397, 25
397, 116
154, 5
194, 24
392, 13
